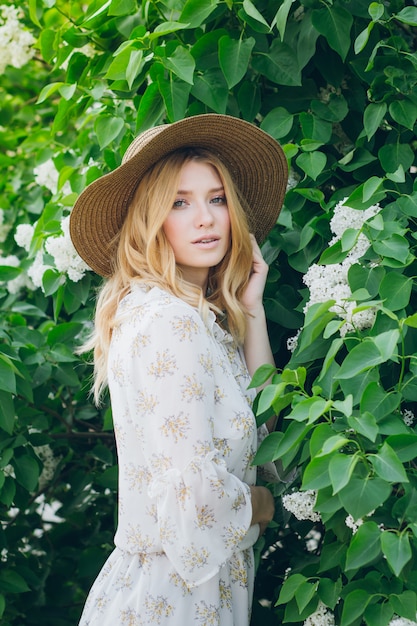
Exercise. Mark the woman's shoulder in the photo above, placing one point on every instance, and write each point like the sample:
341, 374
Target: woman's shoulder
151, 302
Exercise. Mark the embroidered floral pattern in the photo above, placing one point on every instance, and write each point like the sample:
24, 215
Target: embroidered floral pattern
186, 436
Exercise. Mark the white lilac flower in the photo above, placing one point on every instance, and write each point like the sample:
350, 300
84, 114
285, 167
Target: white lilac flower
351, 523
401, 621
293, 179
4, 228
46, 175
321, 617
38, 269
21, 281
66, 258
292, 342
408, 417
344, 217
312, 540
24, 235
49, 463
330, 282
301, 504
16, 43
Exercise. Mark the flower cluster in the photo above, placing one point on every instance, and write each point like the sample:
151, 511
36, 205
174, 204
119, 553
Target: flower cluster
408, 417
330, 282
401, 621
66, 258
49, 463
301, 504
60, 250
321, 617
16, 43
352, 524
4, 228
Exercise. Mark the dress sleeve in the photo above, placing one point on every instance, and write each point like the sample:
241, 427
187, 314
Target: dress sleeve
203, 511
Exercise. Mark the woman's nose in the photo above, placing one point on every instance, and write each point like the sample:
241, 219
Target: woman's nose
205, 215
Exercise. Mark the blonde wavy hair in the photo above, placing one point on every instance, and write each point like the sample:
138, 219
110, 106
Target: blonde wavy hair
145, 256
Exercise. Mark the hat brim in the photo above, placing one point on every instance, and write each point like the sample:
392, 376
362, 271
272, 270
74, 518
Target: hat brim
256, 162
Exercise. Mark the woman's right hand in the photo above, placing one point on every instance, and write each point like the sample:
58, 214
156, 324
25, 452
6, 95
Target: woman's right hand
263, 507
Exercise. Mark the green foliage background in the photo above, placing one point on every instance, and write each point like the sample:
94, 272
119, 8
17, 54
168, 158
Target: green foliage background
335, 83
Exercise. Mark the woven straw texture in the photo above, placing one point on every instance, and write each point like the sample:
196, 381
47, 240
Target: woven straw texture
255, 161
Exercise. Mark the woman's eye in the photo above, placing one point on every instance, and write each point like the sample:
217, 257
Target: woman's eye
178, 204
219, 200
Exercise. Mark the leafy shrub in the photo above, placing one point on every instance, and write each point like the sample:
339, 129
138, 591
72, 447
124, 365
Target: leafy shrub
335, 83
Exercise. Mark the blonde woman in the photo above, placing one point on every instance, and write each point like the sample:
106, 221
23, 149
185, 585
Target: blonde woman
179, 330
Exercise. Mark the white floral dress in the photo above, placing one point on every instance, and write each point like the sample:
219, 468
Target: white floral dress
186, 436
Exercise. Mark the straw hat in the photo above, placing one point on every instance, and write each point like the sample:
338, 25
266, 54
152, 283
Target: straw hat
254, 159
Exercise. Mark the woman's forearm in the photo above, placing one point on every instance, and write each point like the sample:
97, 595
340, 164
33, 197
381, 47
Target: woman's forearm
257, 348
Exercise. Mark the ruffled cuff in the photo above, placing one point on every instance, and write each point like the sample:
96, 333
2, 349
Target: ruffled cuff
204, 515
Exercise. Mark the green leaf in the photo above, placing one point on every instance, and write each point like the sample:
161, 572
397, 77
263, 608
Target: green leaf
372, 118
387, 465
312, 163
289, 588
378, 614
8, 272
333, 254
7, 375
363, 495
403, 112
253, 12
134, 66
316, 475
367, 194
211, 89
408, 15
354, 606
397, 549
365, 424
395, 247
122, 7
268, 395
176, 95
150, 109
278, 122
363, 38
365, 546
107, 128
195, 12
395, 290
48, 90
341, 467
51, 281
234, 56
368, 353
279, 65
404, 446
329, 591
12, 582
262, 375
360, 277
404, 604
281, 17
182, 63
304, 593
334, 22
392, 155
378, 402
277, 444
166, 28
7, 412
309, 409
27, 471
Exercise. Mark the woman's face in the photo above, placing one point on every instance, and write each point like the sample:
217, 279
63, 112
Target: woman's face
198, 225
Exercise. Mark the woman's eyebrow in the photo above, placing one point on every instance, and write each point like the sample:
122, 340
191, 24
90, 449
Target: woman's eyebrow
214, 190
